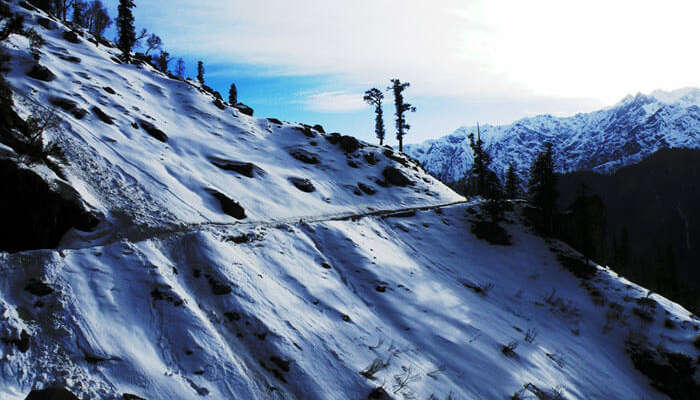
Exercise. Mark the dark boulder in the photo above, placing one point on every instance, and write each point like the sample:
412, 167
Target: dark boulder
371, 158
378, 393
68, 105
51, 394
367, 189
244, 109
36, 214
153, 131
219, 104
318, 128
104, 117
304, 156
41, 73
395, 177
306, 130
228, 206
241, 167
129, 396
38, 288
333, 138
302, 184
71, 36
109, 90
46, 23
349, 144
72, 59
388, 153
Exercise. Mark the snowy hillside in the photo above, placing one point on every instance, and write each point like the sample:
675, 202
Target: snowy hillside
602, 141
234, 257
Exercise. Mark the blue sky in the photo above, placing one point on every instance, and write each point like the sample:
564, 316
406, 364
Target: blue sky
467, 60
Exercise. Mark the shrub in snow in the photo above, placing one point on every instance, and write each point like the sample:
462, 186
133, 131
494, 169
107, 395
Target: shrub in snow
490, 232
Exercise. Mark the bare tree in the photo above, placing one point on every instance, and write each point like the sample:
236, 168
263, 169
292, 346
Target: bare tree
180, 68
153, 43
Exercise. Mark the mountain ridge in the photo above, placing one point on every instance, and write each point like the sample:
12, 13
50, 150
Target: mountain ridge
602, 141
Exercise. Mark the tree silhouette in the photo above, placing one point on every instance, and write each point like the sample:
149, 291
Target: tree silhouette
512, 186
401, 107
125, 27
542, 188
200, 72
374, 98
233, 95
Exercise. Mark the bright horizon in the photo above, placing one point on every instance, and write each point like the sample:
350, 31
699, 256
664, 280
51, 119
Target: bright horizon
467, 61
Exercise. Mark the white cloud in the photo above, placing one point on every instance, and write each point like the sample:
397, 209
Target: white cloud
487, 49
334, 102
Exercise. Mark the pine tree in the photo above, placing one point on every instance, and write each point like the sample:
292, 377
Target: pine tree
180, 68
233, 95
401, 107
542, 188
374, 98
480, 167
163, 61
512, 183
200, 72
125, 27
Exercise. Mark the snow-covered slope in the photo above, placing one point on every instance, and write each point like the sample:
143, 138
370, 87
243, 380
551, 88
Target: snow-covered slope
602, 141
170, 298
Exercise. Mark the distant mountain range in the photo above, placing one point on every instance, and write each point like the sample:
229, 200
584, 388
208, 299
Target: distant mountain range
601, 141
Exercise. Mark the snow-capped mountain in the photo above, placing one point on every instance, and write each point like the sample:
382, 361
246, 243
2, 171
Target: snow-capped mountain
601, 141
214, 255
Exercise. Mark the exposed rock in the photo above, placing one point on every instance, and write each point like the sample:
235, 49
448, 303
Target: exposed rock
378, 393
228, 206
109, 90
102, 115
395, 177
244, 109
70, 36
46, 23
51, 394
129, 396
275, 121
353, 164
35, 213
302, 184
371, 158
73, 59
318, 128
218, 288
38, 288
367, 189
304, 156
333, 138
219, 104
306, 130
41, 73
349, 144
68, 105
241, 167
153, 131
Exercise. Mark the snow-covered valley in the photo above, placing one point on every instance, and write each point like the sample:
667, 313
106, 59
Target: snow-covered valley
236, 257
